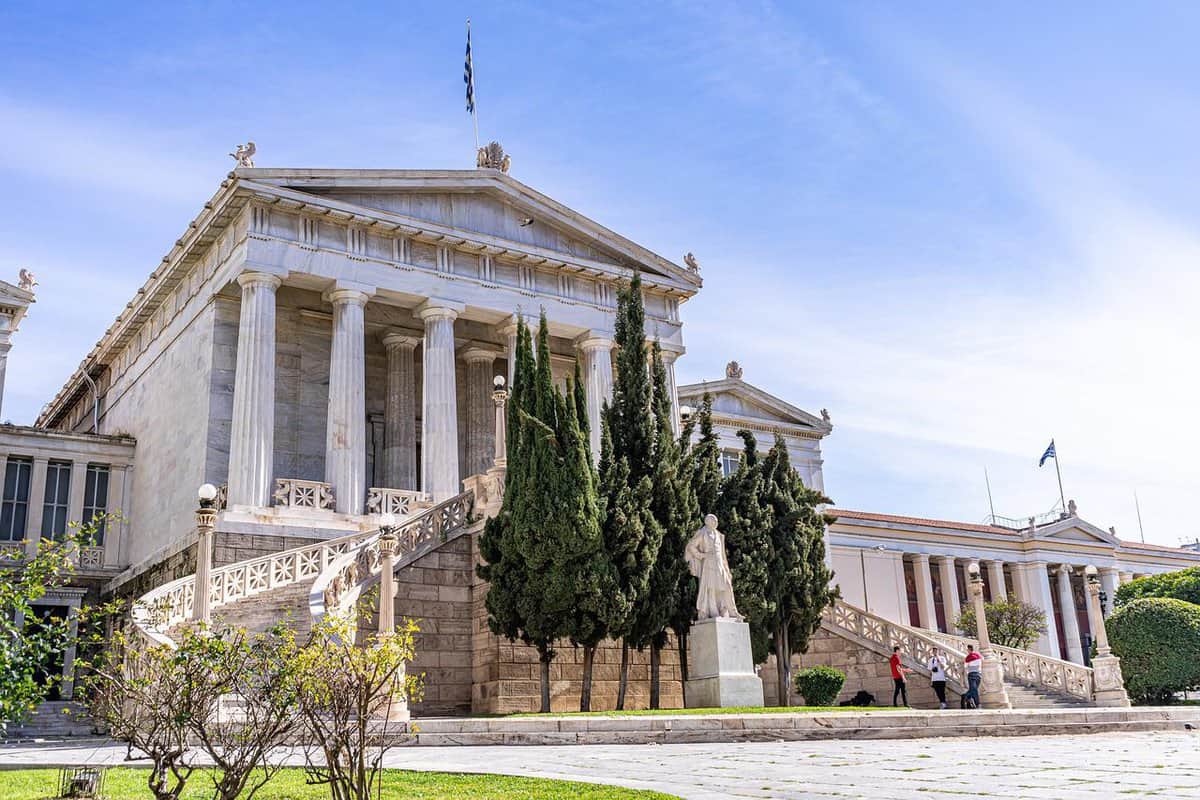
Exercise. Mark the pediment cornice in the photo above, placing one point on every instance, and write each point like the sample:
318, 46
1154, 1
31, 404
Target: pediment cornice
797, 419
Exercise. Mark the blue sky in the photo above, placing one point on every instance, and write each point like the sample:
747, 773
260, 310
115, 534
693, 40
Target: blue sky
963, 232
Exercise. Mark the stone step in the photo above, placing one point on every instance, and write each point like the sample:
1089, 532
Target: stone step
54, 720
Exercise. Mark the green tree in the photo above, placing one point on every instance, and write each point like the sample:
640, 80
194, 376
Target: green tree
746, 518
798, 584
673, 504
632, 535
1010, 623
1182, 584
1158, 642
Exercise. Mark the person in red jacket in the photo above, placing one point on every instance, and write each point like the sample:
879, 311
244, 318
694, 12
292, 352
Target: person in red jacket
974, 664
900, 686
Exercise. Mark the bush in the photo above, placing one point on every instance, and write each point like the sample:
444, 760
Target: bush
1181, 585
819, 686
1158, 641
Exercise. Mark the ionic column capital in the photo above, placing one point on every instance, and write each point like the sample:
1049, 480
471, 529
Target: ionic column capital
1065, 569
397, 339
347, 296
435, 308
922, 558
595, 340
253, 279
476, 352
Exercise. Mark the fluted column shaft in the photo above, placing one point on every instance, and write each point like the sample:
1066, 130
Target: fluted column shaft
596, 351
400, 413
668, 358
439, 418
252, 432
1070, 621
1110, 581
949, 581
996, 581
481, 411
509, 332
924, 581
346, 429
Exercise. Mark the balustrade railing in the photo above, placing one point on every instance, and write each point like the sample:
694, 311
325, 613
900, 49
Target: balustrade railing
1036, 670
342, 583
400, 502
916, 646
162, 608
295, 493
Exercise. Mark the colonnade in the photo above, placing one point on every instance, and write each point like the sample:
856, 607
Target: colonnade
253, 424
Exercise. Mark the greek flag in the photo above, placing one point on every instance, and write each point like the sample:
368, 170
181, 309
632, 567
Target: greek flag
1048, 454
469, 74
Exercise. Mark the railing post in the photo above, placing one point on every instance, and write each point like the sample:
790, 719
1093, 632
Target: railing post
992, 690
206, 520
1108, 686
387, 579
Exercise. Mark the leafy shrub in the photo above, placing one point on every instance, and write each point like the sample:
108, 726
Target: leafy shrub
1010, 623
1181, 585
819, 686
1158, 641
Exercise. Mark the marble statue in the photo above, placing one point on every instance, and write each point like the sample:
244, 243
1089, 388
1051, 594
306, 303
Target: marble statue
493, 156
692, 264
705, 555
244, 154
733, 371
26, 280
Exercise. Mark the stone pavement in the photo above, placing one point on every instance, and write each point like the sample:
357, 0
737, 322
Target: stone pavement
1163, 765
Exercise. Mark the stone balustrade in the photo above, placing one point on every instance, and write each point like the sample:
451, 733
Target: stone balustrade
1034, 669
400, 502
296, 493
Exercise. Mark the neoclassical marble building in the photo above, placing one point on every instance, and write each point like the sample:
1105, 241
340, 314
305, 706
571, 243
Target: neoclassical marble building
326, 346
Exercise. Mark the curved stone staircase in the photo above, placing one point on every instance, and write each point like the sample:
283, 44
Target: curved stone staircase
301, 584
1031, 680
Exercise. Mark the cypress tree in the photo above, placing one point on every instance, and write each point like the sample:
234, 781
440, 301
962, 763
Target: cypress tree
674, 505
746, 521
631, 532
705, 459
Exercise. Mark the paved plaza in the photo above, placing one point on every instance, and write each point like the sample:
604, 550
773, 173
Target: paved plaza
1162, 765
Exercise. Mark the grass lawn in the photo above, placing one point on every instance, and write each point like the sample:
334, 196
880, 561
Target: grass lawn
646, 712
129, 783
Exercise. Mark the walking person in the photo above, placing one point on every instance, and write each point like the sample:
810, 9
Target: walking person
974, 663
937, 675
900, 686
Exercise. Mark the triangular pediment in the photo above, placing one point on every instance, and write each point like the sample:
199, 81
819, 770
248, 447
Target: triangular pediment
1077, 530
485, 202
735, 399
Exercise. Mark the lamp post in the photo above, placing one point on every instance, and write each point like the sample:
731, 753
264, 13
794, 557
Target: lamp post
992, 692
1108, 684
387, 580
206, 520
500, 398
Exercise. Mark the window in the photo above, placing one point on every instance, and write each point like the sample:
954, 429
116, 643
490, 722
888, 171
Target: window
54, 509
95, 499
14, 509
729, 462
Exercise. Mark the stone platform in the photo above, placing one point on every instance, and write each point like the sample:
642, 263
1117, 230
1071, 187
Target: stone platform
717, 728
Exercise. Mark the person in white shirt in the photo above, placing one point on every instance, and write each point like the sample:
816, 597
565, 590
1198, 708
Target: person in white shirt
937, 674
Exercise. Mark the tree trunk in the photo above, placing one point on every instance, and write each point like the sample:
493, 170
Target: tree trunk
545, 659
655, 661
624, 680
585, 694
683, 666
783, 663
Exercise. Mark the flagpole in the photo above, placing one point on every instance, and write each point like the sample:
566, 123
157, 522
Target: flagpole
1061, 494
1138, 506
474, 102
991, 506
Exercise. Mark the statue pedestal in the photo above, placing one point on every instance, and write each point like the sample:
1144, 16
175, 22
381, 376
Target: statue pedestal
721, 666
1108, 682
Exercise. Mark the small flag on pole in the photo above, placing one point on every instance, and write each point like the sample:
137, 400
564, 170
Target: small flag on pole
469, 74
1048, 454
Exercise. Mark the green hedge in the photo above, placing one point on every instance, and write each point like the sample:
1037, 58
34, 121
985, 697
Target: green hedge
819, 686
1181, 585
1158, 641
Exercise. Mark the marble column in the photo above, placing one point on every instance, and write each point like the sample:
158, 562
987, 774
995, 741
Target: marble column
924, 581
1031, 583
595, 349
1070, 621
346, 426
5, 346
509, 331
439, 419
668, 357
949, 580
996, 581
400, 412
481, 409
252, 431
1110, 581
1126, 577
